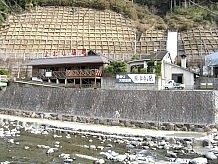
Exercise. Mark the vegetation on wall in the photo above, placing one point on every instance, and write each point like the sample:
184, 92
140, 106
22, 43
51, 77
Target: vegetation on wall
116, 67
154, 67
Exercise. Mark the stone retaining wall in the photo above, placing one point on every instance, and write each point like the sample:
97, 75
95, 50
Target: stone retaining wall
113, 121
170, 110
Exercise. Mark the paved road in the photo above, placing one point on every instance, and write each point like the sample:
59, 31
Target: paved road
75, 126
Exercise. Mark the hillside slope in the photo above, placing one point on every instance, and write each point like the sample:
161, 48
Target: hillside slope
52, 31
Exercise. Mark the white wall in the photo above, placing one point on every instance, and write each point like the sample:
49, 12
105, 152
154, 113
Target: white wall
167, 58
188, 77
172, 47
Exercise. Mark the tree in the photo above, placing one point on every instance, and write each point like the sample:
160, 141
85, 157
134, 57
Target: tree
154, 68
150, 64
116, 67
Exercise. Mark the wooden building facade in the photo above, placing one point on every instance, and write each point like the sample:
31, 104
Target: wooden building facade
77, 71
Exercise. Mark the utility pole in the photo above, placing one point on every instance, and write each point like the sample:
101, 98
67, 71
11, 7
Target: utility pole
135, 42
201, 60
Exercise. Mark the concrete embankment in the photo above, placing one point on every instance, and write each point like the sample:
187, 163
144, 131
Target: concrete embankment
165, 110
102, 129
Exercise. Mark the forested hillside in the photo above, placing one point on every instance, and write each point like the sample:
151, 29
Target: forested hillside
145, 14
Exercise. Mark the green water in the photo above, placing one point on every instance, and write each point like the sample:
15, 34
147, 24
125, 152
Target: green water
16, 153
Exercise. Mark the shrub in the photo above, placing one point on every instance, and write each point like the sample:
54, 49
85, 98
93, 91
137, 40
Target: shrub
4, 72
150, 64
116, 67
184, 27
135, 57
119, 6
108, 69
158, 68
135, 70
101, 4
130, 11
143, 70
160, 27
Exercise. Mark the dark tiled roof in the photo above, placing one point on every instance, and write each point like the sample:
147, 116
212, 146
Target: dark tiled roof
159, 55
69, 60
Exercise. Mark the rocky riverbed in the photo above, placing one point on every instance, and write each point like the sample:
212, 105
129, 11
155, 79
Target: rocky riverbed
32, 142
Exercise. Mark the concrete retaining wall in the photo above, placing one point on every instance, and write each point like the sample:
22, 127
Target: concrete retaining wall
194, 107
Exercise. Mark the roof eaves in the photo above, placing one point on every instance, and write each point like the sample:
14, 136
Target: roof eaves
186, 69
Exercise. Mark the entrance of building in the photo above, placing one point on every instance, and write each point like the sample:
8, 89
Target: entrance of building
178, 78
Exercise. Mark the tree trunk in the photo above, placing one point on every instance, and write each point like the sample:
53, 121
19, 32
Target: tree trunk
171, 5
185, 4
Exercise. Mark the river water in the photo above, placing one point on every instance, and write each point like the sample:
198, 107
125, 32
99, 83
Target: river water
25, 147
30, 144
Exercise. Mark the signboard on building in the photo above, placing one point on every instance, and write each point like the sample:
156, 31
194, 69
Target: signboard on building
64, 53
48, 74
135, 78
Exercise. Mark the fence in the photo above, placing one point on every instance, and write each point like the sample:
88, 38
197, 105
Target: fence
30, 56
206, 83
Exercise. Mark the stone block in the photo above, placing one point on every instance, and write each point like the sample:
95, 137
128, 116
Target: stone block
74, 118
115, 123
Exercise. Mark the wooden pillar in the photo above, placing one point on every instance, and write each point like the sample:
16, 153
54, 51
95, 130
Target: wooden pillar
26, 72
95, 80
80, 79
65, 80
80, 82
57, 81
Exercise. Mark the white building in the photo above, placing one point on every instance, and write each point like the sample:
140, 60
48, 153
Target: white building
211, 65
169, 71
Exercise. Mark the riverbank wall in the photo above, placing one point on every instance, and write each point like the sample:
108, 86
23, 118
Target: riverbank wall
165, 110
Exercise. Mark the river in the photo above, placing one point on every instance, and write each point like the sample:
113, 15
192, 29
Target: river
25, 142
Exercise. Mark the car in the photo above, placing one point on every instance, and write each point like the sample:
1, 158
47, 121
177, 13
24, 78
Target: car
171, 84
3, 82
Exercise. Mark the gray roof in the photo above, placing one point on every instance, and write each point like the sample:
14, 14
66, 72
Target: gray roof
159, 55
69, 60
